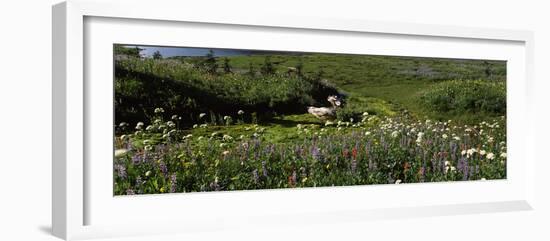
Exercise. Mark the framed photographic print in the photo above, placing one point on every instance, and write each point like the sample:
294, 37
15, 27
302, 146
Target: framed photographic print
280, 118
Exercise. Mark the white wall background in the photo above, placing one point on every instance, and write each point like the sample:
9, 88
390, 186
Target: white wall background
25, 118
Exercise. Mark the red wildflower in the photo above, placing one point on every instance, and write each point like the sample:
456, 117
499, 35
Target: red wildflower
354, 153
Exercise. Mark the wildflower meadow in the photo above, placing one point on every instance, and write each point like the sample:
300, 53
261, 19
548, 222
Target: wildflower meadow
246, 121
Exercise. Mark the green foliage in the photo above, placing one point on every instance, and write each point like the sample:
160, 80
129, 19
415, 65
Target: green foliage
473, 96
356, 106
127, 51
267, 68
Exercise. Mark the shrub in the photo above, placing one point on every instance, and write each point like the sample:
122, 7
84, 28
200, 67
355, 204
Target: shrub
470, 96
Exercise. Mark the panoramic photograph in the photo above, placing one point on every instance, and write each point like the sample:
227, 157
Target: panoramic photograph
190, 119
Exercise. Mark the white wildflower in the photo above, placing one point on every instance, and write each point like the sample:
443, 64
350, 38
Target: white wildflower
394, 134
227, 138
490, 156
240, 112
398, 181
419, 138
171, 124
139, 125
159, 110
201, 115
503, 155
470, 152
444, 136
482, 152
148, 173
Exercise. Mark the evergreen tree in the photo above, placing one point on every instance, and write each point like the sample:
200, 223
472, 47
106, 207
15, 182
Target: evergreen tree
226, 66
210, 63
157, 55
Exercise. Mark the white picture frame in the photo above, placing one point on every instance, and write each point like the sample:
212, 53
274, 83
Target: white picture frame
80, 26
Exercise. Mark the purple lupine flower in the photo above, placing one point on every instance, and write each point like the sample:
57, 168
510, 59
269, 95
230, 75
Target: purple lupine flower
120, 171
293, 178
163, 168
353, 165
454, 148
315, 153
173, 183
463, 166
255, 176
137, 158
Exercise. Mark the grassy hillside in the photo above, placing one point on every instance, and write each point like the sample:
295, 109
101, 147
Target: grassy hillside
385, 83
